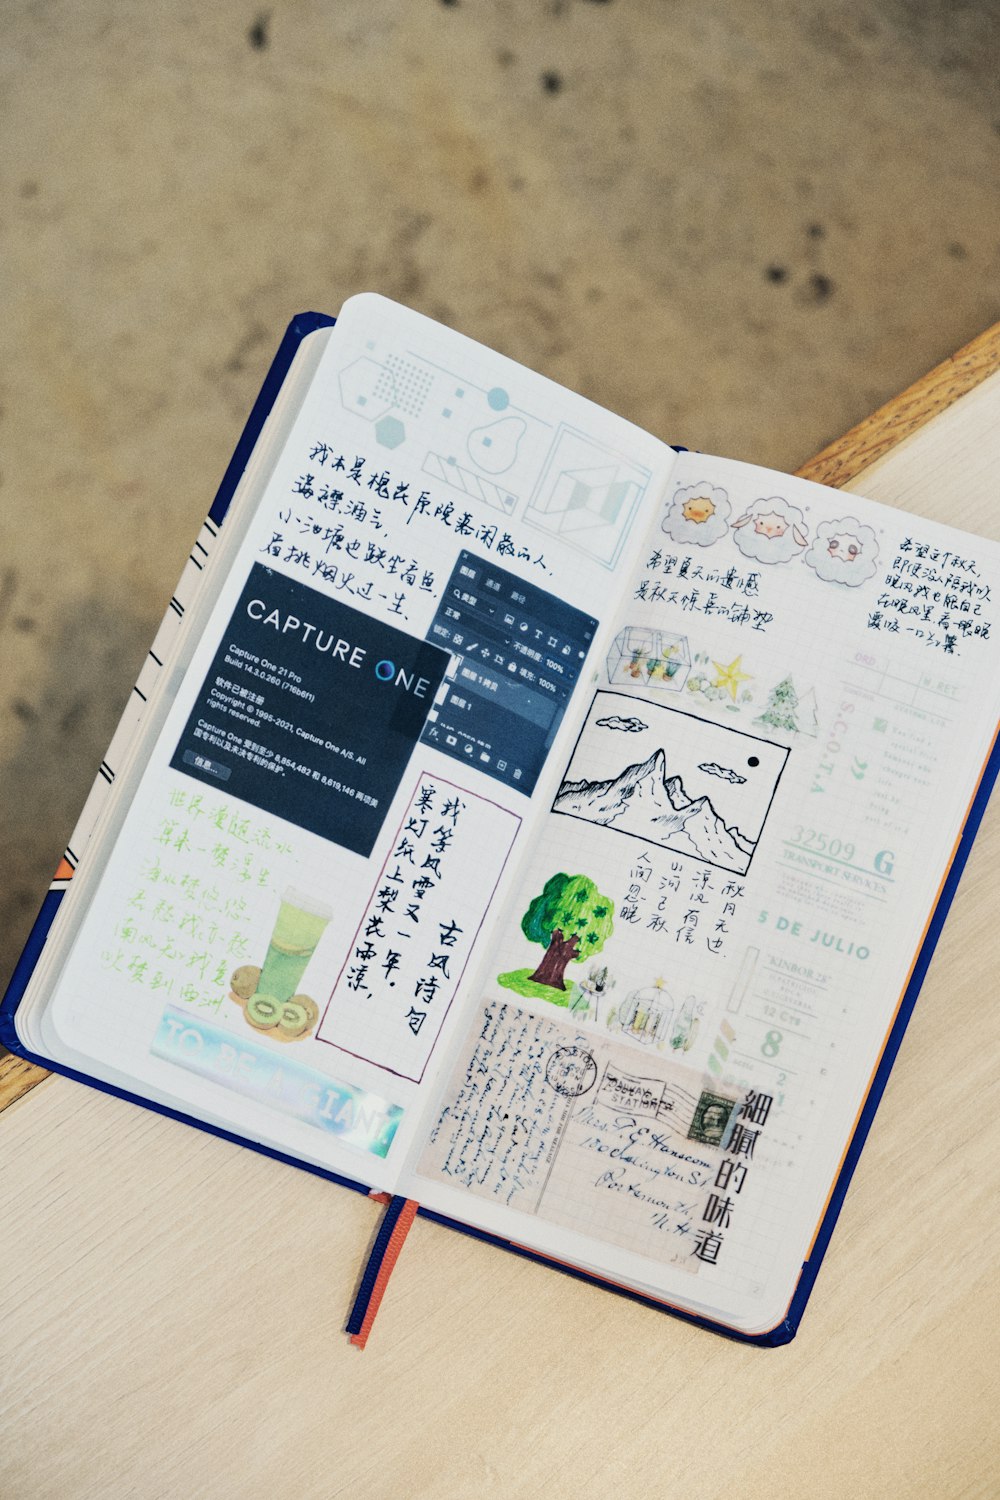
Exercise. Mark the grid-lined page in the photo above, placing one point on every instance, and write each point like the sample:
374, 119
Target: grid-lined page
287, 914
740, 859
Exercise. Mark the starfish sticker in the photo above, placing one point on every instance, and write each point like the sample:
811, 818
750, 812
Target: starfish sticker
730, 676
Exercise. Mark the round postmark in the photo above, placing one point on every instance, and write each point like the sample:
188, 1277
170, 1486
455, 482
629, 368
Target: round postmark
571, 1071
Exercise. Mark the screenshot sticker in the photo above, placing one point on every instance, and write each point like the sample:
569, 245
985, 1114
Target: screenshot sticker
311, 710
518, 651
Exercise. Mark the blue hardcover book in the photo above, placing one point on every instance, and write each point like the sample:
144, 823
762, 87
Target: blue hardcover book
528, 821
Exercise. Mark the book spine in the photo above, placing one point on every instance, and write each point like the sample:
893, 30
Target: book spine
158, 660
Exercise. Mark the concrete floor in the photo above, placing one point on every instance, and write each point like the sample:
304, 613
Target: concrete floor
741, 226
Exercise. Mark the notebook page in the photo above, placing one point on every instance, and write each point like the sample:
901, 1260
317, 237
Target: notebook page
754, 820
336, 796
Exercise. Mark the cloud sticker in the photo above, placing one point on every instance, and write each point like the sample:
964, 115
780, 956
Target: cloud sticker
843, 552
770, 530
698, 515
712, 768
630, 726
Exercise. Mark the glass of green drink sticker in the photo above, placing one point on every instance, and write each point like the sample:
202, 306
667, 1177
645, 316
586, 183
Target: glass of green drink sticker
300, 925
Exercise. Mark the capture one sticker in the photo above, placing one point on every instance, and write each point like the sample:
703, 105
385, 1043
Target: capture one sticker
311, 710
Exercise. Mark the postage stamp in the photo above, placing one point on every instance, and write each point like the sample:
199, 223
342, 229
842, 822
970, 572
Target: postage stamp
711, 1116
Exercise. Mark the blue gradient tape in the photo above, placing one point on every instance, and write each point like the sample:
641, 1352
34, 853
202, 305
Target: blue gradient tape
360, 1119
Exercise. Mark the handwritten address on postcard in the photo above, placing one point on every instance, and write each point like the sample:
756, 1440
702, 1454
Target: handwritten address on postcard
588, 1135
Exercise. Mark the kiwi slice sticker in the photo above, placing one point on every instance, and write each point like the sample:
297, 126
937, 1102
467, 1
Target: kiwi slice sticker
309, 1005
245, 980
294, 1019
263, 1011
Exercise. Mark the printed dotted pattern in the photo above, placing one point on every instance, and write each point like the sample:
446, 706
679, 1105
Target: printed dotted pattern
407, 382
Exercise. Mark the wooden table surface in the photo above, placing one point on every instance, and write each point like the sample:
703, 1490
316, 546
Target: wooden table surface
171, 1306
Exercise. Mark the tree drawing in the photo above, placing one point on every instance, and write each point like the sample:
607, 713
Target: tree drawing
572, 920
806, 714
782, 707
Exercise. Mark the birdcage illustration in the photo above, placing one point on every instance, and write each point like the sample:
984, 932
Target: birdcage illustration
645, 1015
642, 656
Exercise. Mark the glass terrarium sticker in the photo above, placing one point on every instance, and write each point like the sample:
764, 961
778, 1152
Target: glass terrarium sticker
641, 656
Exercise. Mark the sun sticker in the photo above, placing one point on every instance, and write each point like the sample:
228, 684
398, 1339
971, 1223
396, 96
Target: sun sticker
698, 515
698, 509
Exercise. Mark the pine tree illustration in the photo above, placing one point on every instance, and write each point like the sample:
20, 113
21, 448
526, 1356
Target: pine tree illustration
781, 708
806, 714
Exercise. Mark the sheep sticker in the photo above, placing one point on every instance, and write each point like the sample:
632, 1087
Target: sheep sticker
698, 515
771, 531
843, 552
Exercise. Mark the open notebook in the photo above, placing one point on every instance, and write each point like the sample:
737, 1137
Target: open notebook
525, 819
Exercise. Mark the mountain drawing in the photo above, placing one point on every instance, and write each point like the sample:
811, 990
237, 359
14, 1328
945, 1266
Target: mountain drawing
645, 802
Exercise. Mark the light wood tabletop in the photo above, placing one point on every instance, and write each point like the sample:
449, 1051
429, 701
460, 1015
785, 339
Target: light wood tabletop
172, 1306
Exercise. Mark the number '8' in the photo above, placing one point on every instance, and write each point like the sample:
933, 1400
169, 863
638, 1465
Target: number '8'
771, 1045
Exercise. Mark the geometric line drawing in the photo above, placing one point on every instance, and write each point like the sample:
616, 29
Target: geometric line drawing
494, 395
587, 495
494, 447
472, 485
389, 432
367, 388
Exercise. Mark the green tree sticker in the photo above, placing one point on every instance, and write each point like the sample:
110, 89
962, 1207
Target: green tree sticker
782, 707
572, 921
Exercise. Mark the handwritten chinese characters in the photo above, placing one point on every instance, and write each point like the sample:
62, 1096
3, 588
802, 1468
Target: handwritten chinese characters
343, 525
682, 902
189, 919
414, 940
698, 589
934, 595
